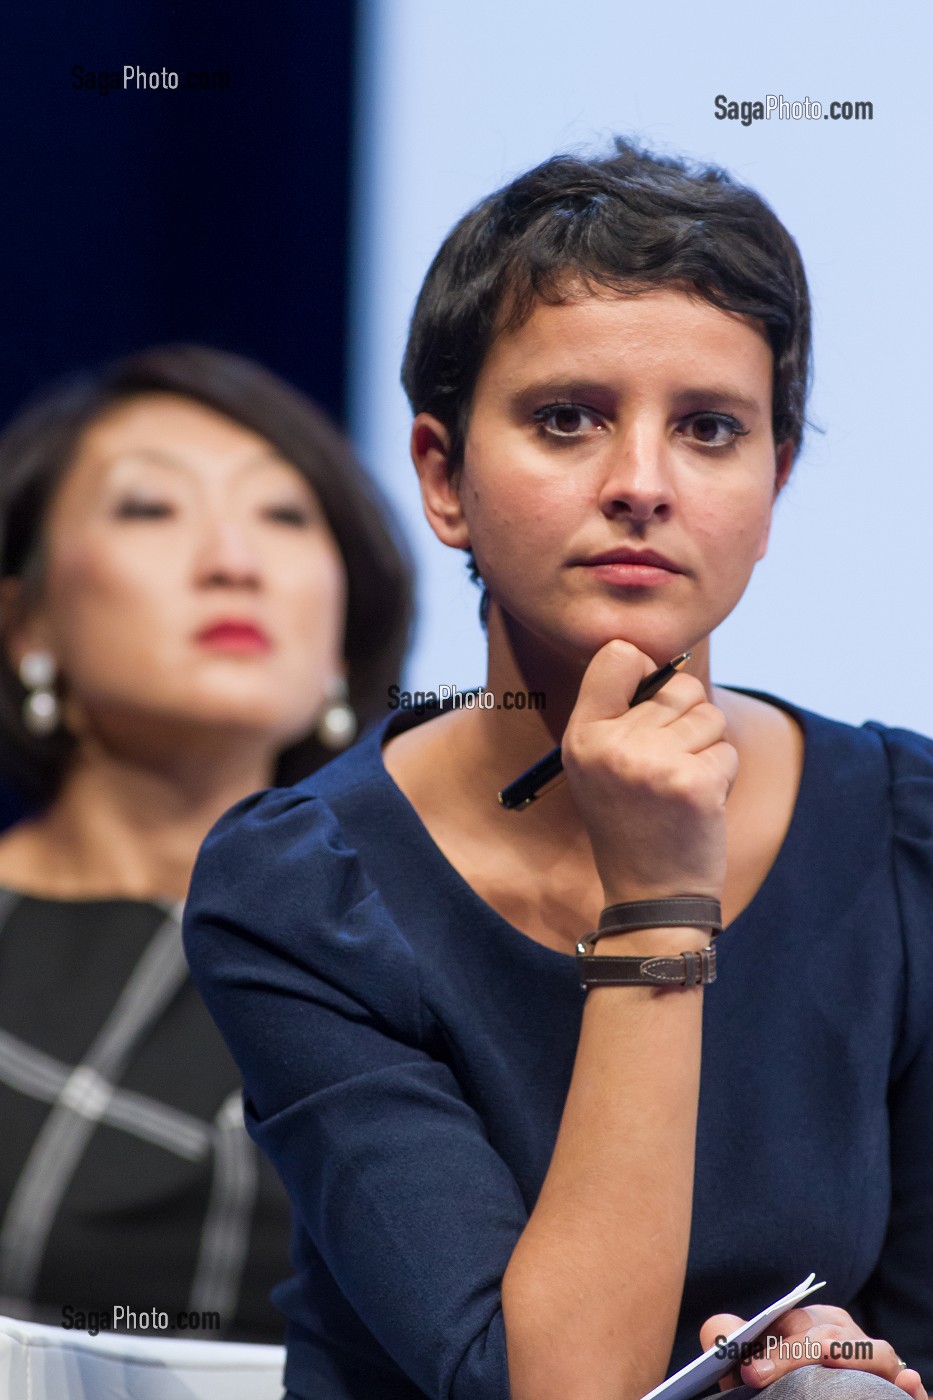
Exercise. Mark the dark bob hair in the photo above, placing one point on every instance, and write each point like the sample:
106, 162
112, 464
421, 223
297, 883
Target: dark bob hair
628, 222
39, 445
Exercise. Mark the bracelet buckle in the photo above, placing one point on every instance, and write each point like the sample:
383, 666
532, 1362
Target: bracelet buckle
687, 969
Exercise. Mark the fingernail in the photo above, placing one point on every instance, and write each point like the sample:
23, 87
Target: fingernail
762, 1369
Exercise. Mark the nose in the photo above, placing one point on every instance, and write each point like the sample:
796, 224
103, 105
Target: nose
227, 558
636, 484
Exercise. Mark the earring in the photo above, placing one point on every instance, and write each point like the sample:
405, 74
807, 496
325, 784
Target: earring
337, 725
41, 710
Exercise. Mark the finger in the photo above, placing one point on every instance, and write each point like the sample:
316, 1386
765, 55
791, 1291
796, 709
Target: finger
611, 680
871, 1354
912, 1382
832, 1345
718, 1327
679, 695
725, 759
698, 728
801, 1320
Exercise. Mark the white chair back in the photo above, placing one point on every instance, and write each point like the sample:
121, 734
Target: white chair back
50, 1363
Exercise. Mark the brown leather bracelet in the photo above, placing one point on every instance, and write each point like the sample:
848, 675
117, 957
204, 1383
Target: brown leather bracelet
677, 911
678, 969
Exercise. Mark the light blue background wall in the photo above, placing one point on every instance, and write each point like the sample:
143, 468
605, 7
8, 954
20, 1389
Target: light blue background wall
458, 97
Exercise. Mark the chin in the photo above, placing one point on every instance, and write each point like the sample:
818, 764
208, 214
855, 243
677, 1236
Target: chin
659, 631
576, 633
659, 639
660, 646
271, 720
274, 714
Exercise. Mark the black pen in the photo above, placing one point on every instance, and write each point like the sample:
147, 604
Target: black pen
520, 794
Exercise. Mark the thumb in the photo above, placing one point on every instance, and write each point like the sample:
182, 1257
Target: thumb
611, 680
719, 1325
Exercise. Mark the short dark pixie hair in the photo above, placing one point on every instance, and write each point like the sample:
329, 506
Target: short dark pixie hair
628, 222
40, 444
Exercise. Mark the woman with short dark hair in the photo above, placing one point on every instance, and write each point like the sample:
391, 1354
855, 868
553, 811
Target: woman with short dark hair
521, 1169
201, 593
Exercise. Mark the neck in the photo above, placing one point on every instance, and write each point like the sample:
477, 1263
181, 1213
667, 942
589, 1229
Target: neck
122, 826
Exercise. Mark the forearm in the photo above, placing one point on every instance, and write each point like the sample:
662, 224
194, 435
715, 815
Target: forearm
592, 1291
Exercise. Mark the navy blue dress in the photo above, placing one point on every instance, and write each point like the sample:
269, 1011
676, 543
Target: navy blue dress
406, 1054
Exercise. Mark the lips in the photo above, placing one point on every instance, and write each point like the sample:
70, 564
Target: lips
647, 558
234, 635
633, 568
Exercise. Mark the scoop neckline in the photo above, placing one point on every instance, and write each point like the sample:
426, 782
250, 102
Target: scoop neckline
168, 906
398, 724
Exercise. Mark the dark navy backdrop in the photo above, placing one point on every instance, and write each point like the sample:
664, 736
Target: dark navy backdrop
217, 214
142, 216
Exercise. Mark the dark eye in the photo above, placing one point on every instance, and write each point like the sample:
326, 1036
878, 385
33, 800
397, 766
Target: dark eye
566, 420
290, 515
713, 429
137, 509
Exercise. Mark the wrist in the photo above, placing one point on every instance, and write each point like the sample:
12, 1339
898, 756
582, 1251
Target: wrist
653, 942
631, 893
664, 942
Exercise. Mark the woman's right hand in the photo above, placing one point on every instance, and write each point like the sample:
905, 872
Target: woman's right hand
651, 782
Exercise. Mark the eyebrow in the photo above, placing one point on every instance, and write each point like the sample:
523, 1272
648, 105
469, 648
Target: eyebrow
160, 457
560, 389
720, 396
712, 396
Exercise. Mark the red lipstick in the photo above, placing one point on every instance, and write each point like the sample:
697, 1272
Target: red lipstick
235, 636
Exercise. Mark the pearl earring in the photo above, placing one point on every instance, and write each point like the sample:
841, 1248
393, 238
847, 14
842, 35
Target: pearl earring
41, 710
337, 725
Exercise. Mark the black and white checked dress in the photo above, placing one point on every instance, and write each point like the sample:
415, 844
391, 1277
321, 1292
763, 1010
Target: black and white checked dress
126, 1175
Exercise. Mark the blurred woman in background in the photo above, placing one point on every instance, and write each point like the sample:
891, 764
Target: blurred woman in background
201, 595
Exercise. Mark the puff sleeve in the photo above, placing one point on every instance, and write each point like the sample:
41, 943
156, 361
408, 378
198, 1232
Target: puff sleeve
390, 1170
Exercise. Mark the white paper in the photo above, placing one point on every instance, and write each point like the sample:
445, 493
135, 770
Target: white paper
707, 1369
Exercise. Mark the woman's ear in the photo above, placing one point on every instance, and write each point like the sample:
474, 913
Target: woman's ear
440, 496
21, 626
13, 630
